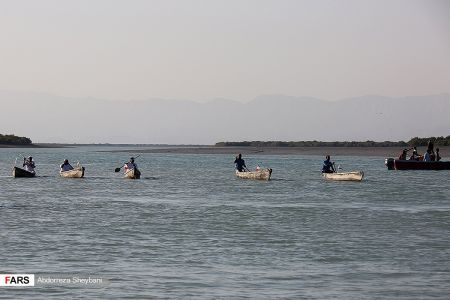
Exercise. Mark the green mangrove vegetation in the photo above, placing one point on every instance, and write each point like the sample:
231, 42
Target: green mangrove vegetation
416, 141
11, 139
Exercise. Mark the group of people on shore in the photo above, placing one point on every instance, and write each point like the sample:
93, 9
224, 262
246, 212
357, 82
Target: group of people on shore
429, 155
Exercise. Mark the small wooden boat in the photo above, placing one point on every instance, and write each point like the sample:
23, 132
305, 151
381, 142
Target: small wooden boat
263, 174
18, 172
78, 172
344, 176
132, 174
398, 164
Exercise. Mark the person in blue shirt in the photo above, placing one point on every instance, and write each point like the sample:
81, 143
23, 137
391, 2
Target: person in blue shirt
240, 163
328, 166
66, 166
427, 155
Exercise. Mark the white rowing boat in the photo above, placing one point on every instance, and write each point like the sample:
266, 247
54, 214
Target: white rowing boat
344, 176
263, 174
132, 174
78, 172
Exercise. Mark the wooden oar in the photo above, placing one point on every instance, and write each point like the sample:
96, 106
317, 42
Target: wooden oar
118, 169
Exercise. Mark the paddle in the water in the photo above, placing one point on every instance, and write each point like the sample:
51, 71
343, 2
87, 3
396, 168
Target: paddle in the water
118, 169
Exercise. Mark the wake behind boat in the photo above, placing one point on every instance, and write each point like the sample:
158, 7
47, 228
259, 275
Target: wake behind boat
344, 176
263, 174
18, 172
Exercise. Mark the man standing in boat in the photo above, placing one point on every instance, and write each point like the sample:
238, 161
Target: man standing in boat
66, 166
130, 165
438, 157
240, 163
328, 166
28, 164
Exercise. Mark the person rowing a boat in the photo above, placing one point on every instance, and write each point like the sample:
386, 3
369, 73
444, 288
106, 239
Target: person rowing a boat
29, 164
328, 166
130, 165
240, 163
66, 166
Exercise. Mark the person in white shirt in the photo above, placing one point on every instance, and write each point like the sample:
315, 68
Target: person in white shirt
29, 164
130, 165
426, 156
66, 166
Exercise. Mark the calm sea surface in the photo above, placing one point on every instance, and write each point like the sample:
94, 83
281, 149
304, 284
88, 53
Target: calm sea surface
190, 229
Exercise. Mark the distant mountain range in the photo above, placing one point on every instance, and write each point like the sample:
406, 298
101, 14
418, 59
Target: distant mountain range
49, 118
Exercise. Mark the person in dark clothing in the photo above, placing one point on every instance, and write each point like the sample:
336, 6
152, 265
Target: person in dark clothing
240, 163
430, 145
328, 166
438, 157
403, 155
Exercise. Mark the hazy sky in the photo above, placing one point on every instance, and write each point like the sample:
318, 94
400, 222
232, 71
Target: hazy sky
200, 50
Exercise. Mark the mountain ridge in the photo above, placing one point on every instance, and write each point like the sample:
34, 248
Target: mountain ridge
50, 118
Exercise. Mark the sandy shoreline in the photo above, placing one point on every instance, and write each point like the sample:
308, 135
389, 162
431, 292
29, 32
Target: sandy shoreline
333, 151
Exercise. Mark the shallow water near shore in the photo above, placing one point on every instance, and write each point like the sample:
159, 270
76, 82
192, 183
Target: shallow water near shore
190, 229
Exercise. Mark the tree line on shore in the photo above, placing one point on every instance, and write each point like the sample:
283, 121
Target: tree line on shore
11, 139
414, 142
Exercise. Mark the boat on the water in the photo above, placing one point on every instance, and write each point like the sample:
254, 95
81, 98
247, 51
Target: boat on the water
263, 174
344, 176
132, 174
400, 164
78, 172
18, 172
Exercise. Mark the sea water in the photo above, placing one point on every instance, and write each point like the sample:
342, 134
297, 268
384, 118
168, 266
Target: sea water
190, 229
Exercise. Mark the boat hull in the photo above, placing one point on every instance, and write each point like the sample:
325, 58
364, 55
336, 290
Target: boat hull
18, 172
344, 176
133, 174
398, 164
75, 173
259, 175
